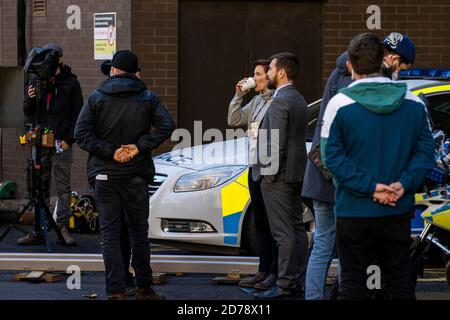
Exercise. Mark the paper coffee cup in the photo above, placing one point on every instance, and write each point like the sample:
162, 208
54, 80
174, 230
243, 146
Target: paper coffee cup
248, 84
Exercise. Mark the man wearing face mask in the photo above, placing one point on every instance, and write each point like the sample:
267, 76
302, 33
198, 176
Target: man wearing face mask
399, 54
62, 102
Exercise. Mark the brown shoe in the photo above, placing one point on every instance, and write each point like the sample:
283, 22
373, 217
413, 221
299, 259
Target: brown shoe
148, 294
116, 296
267, 284
65, 233
31, 239
250, 282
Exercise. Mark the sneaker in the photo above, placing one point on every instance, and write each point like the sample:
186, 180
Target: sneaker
65, 233
148, 294
33, 238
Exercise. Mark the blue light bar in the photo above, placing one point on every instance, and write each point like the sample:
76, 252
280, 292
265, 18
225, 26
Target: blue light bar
425, 73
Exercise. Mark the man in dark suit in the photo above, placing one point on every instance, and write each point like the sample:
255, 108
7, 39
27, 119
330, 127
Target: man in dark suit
281, 166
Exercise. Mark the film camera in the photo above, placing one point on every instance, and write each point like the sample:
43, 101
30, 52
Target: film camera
41, 65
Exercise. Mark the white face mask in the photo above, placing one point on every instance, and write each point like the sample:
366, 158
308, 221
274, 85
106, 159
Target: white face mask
395, 75
111, 74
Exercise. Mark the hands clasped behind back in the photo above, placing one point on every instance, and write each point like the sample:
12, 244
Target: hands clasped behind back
126, 153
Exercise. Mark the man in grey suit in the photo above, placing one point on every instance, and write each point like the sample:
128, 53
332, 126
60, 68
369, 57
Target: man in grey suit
281, 166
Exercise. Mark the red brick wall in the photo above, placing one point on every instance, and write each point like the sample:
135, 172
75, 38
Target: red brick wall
8, 33
79, 52
426, 22
78, 45
149, 27
154, 37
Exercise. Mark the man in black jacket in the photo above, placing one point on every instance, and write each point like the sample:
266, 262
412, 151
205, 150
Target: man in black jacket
321, 191
61, 104
115, 128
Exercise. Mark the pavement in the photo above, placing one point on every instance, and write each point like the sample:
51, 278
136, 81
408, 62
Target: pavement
186, 287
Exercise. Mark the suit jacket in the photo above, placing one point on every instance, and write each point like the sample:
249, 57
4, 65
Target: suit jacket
285, 148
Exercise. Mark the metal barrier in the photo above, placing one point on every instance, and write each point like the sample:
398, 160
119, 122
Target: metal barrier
159, 263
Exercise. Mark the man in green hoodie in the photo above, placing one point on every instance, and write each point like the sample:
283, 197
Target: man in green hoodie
377, 143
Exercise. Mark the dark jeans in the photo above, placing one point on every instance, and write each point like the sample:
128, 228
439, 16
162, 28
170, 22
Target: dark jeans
126, 251
61, 164
285, 214
112, 197
267, 247
382, 241
125, 242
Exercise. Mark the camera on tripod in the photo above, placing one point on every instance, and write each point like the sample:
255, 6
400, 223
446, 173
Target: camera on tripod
41, 65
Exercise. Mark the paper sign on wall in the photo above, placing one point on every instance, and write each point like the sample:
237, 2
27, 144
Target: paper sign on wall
104, 35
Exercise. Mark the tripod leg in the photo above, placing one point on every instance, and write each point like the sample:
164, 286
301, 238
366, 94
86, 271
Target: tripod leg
52, 222
5, 232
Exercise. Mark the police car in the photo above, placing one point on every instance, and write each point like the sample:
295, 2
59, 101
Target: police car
203, 204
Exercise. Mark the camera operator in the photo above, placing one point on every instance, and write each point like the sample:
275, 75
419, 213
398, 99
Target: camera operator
61, 104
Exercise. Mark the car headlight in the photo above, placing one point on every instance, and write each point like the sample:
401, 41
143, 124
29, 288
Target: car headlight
207, 179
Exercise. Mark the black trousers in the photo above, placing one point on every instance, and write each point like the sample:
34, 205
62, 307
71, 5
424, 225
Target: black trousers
384, 242
267, 247
125, 243
126, 251
285, 214
112, 197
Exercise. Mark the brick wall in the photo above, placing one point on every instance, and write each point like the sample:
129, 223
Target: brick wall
8, 33
426, 22
78, 45
154, 37
149, 27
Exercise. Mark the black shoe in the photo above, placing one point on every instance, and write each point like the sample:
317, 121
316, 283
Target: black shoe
299, 293
130, 291
275, 293
33, 238
148, 294
267, 284
251, 281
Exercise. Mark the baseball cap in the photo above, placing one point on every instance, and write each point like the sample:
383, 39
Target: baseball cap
402, 45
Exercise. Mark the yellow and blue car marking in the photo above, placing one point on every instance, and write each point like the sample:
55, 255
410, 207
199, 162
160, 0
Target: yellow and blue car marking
235, 197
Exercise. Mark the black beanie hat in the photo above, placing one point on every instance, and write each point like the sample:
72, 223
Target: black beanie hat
125, 60
105, 67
